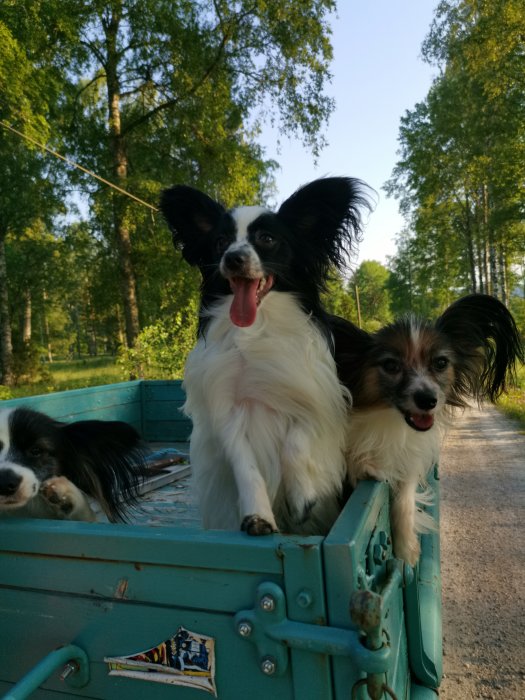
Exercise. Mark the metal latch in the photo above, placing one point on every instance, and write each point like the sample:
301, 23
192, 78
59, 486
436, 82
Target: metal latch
267, 626
367, 610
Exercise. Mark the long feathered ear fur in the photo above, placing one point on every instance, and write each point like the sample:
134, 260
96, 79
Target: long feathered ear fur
107, 461
325, 215
487, 344
191, 215
352, 347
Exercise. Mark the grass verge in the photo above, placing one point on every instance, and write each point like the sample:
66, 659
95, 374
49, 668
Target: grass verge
512, 404
74, 374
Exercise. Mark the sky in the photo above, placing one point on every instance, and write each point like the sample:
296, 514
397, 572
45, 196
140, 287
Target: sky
378, 74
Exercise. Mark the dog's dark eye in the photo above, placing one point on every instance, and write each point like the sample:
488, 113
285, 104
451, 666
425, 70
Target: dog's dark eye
265, 239
35, 451
440, 363
391, 366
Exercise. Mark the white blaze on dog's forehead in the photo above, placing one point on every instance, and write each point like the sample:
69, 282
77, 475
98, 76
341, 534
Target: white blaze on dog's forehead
415, 332
4, 430
243, 217
417, 349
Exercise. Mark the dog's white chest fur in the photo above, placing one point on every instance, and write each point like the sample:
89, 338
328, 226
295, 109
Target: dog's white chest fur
267, 410
383, 446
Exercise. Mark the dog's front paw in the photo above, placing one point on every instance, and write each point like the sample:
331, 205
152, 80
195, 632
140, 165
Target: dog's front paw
64, 499
255, 525
408, 549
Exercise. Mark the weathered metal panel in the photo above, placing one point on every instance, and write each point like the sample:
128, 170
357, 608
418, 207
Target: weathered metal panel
111, 402
81, 588
423, 604
213, 549
41, 694
37, 623
163, 419
420, 692
305, 600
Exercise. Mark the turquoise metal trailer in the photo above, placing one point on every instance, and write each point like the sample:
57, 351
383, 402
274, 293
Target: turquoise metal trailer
161, 609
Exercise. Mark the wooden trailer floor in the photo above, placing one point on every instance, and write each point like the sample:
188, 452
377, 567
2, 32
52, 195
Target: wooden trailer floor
166, 497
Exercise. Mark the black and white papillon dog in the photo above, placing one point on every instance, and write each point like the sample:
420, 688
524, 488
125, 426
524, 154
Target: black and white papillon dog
48, 469
262, 389
405, 380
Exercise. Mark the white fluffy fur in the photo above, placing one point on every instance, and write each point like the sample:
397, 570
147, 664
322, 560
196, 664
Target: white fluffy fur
380, 445
269, 417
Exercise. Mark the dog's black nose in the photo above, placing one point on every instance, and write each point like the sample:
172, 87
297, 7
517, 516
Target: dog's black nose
234, 259
9, 482
425, 400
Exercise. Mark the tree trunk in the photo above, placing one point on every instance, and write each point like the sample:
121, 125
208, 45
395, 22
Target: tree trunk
6, 341
45, 327
493, 287
470, 246
120, 168
503, 276
92, 333
480, 261
26, 324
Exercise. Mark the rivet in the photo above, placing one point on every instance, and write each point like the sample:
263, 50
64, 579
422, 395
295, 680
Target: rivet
267, 603
268, 666
244, 628
304, 599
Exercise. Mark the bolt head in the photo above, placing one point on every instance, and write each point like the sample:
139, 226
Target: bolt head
244, 628
304, 599
268, 666
69, 669
267, 603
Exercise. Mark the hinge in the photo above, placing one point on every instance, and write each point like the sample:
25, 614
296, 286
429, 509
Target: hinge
267, 626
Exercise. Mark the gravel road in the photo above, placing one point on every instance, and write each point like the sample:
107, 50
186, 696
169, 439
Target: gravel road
482, 552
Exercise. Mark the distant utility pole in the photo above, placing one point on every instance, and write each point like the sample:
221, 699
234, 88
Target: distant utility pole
358, 306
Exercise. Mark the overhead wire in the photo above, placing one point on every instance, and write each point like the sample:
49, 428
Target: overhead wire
76, 165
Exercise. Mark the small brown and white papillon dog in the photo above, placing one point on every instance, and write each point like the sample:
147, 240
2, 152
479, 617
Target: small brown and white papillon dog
268, 410
405, 380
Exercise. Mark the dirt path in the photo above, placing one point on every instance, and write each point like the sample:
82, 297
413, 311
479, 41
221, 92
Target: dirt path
482, 551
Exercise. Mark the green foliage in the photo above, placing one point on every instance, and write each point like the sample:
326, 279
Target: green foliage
370, 285
371, 281
6, 392
28, 367
147, 94
513, 402
161, 349
462, 159
517, 308
339, 299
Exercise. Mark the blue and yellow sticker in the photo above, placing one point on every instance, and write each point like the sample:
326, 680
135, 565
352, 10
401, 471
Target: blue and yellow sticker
187, 658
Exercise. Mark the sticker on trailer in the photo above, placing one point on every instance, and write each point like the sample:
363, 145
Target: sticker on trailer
187, 659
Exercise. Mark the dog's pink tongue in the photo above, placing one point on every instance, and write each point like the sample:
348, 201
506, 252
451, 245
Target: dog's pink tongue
422, 421
244, 305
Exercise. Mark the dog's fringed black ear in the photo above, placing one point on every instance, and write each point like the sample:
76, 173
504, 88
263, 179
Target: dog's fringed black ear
107, 460
487, 343
326, 216
191, 215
